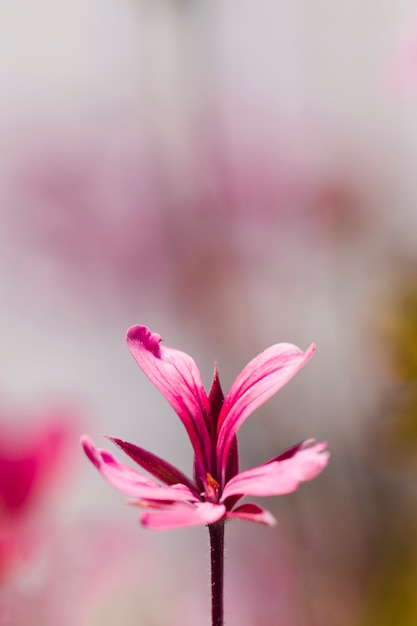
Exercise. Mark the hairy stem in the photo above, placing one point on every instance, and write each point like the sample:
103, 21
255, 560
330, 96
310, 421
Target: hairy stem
217, 572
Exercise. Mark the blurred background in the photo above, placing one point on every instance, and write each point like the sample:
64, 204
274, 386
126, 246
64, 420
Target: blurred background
232, 174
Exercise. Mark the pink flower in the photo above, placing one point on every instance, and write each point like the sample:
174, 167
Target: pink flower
32, 458
211, 422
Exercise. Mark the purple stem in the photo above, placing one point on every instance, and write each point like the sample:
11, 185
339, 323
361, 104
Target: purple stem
217, 572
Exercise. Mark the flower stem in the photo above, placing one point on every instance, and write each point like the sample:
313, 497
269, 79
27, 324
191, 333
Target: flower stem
217, 572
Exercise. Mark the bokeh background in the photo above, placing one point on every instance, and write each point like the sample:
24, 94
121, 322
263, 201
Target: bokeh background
232, 174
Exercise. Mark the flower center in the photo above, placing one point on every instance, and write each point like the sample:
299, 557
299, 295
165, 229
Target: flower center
212, 488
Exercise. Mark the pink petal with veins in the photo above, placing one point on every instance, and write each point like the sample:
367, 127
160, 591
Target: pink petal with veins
131, 482
279, 477
181, 515
258, 381
178, 378
253, 513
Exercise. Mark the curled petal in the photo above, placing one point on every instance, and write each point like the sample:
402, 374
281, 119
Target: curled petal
131, 482
252, 513
256, 383
279, 477
181, 515
177, 377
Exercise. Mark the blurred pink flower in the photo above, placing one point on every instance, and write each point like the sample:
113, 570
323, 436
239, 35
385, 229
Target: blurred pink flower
211, 422
30, 460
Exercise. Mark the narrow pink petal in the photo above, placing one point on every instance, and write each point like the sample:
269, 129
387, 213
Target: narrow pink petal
181, 515
252, 513
290, 452
177, 377
257, 382
131, 482
159, 468
216, 396
279, 477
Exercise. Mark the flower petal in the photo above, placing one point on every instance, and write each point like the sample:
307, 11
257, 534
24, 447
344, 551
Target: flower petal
159, 468
288, 453
256, 383
252, 513
131, 482
279, 477
181, 515
177, 377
